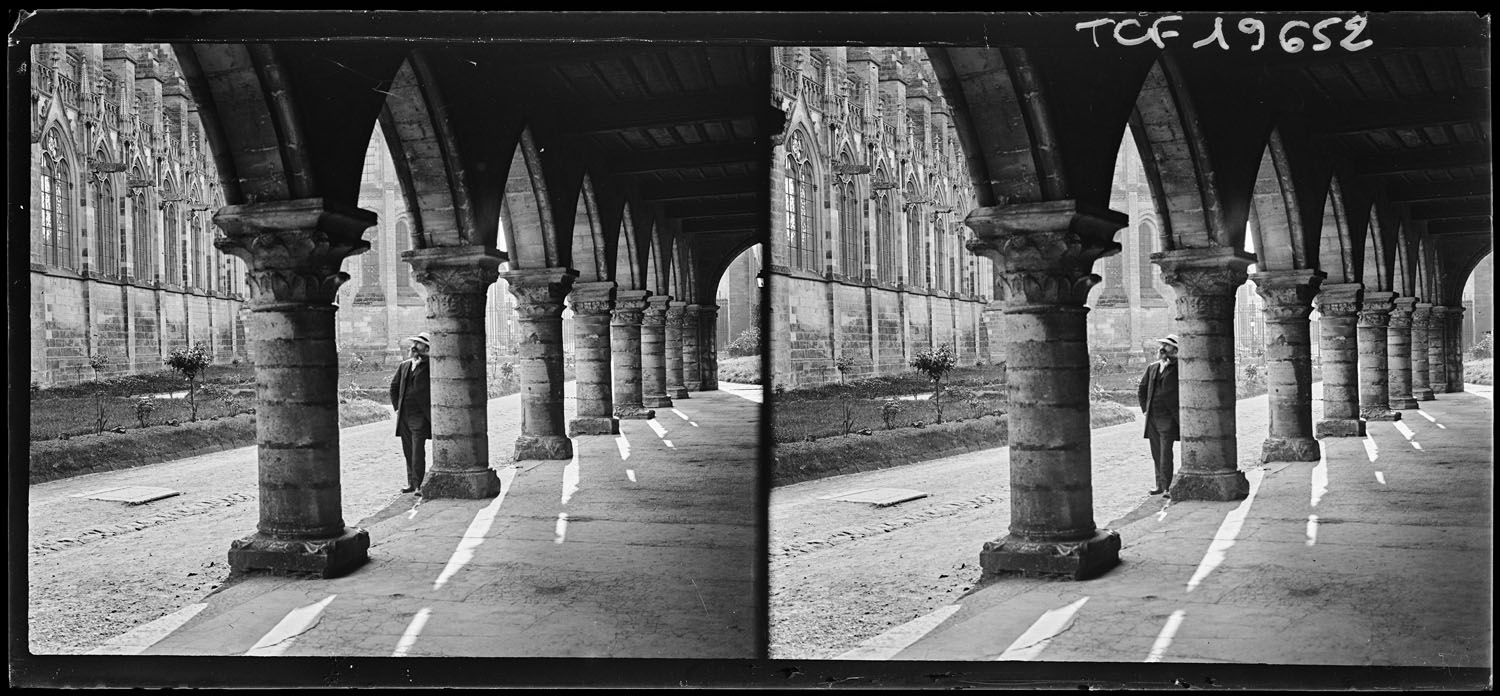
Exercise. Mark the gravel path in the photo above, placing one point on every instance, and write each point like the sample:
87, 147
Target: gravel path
98, 569
842, 573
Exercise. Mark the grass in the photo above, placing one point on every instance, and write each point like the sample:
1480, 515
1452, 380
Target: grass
1480, 371
744, 369
830, 410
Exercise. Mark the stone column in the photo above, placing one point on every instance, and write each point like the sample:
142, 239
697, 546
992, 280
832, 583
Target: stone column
293, 250
592, 303
708, 347
1206, 280
1398, 353
539, 303
1421, 318
1339, 305
1044, 254
1288, 296
1437, 350
654, 353
625, 345
457, 280
674, 320
1374, 372
692, 376
1454, 345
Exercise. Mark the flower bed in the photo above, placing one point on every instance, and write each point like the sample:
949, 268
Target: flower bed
56, 459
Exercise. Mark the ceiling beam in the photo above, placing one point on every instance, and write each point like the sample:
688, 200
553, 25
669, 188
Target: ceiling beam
1438, 191
686, 190
1458, 205
712, 208
723, 223
668, 159
1360, 117
665, 112
1455, 226
1421, 160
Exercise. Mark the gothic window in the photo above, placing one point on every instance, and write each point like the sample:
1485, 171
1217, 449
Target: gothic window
106, 232
801, 235
1145, 238
885, 228
851, 237
145, 240
403, 241
918, 251
943, 271
56, 242
172, 242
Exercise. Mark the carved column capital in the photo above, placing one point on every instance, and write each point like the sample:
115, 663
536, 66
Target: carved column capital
1216, 271
1288, 294
676, 313
457, 277
1375, 310
629, 305
1044, 253
1421, 315
690, 313
293, 248
1402, 311
1340, 299
655, 313
592, 298
539, 291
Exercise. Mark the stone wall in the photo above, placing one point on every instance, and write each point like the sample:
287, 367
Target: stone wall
73, 317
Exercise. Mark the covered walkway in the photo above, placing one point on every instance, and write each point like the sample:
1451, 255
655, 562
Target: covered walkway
1377, 554
643, 544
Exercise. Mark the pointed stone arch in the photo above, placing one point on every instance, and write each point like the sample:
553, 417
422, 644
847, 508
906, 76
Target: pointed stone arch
1403, 271
526, 211
658, 275
1174, 152
589, 251
1335, 250
1375, 269
425, 152
1280, 243
629, 271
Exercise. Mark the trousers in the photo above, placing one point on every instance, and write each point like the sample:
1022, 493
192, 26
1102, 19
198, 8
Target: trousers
1161, 454
414, 447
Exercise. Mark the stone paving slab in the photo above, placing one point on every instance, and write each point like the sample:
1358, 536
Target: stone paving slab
624, 582
1399, 574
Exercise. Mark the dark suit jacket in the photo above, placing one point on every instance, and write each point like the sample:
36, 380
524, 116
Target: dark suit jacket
412, 399
1158, 399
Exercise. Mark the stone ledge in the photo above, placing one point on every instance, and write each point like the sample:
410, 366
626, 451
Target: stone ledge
328, 558
1079, 560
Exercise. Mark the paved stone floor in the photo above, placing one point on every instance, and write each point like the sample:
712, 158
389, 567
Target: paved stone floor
645, 544
1377, 555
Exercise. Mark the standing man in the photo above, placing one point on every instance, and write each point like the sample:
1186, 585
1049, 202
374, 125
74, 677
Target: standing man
1158, 396
411, 396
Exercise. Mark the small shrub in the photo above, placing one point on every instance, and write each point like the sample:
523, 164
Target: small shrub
1484, 348
848, 420
144, 407
935, 365
190, 363
747, 343
101, 420
889, 409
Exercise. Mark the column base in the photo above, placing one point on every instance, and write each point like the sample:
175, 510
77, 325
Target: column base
1290, 449
1403, 403
1340, 427
467, 485
1422, 394
692, 387
544, 447
594, 425
677, 393
1080, 560
656, 401
634, 413
329, 558
1378, 413
1229, 485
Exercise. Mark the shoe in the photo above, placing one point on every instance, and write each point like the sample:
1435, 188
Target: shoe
1155, 492
407, 489
419, 494
1168, 496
